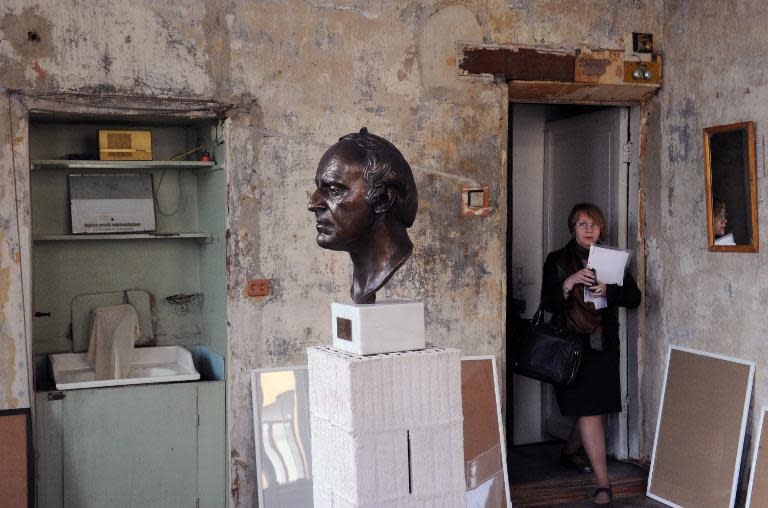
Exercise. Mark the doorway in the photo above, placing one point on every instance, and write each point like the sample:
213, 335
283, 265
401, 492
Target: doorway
561, 155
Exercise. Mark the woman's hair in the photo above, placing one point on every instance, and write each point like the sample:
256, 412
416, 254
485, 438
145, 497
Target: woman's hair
592, 211
718, 207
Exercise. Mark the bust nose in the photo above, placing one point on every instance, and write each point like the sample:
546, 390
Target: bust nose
315, 202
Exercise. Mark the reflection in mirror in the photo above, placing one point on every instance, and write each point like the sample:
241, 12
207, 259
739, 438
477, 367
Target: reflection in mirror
729, 160
281, 428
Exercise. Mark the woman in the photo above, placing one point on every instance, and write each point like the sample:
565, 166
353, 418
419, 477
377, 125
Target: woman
596, 390
719, 217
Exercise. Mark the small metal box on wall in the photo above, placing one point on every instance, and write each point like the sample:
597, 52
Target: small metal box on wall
125, 145
111, 203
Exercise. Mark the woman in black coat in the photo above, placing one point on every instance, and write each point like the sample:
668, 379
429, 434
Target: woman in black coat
596, 390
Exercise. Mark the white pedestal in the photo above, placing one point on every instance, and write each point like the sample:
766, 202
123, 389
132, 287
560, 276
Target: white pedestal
385, 327
386, 429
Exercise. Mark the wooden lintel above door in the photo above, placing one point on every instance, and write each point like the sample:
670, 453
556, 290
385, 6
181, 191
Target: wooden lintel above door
556, 75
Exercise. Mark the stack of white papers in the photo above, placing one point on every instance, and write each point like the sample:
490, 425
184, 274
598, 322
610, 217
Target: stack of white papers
609, 263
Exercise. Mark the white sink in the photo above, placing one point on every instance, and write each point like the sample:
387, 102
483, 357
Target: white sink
150, 365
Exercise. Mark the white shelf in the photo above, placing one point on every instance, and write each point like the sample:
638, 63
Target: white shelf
208, 237
125, 165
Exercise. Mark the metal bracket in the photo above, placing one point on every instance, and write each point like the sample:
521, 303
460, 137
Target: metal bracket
627, 153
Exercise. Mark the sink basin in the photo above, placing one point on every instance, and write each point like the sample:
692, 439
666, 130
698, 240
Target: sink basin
163, 364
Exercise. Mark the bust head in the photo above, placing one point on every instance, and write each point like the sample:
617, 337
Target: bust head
364, 202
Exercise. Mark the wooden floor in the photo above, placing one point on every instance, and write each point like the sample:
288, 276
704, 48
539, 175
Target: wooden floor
538, 479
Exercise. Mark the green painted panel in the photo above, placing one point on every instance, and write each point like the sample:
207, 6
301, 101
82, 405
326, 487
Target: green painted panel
63, 270
131, 447
213, 256
48, 440
212, 448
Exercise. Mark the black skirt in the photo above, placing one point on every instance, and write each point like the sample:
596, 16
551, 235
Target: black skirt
597, 387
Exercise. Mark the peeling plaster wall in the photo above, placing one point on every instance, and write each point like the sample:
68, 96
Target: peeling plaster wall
304, 73
715, 61
14, 375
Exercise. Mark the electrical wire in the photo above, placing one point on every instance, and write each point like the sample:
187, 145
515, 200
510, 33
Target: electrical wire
179, 200
180, 187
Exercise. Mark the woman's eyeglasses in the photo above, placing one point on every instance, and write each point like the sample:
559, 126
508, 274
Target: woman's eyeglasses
583, 226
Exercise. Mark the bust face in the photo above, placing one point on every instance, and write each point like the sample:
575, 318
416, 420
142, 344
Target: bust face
343, 216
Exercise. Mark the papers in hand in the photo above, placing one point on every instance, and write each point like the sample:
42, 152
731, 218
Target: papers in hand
609, 263
725, 240
600, 302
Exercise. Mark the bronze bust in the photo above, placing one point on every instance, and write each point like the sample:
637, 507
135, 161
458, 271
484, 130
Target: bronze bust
364, 203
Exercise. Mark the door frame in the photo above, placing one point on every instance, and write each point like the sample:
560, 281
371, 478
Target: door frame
629, 430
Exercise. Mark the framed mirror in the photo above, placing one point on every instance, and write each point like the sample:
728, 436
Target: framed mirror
729, 168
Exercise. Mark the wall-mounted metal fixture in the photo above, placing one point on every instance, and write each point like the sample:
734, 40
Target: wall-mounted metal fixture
182, 302
645, 72
642, 72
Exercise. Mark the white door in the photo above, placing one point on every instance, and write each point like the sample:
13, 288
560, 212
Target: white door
584, 162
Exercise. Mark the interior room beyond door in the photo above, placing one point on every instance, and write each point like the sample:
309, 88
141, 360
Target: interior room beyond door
561, 155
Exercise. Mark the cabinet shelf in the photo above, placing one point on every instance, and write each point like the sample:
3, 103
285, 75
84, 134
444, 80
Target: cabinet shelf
207, 237
197, 166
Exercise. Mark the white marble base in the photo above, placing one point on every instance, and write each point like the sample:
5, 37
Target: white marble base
386, 327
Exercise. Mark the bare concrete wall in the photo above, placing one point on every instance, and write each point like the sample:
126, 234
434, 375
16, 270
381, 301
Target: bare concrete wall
304, 73
715, 61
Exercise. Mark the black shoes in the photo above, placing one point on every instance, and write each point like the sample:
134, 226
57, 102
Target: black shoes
575, 461
600, 490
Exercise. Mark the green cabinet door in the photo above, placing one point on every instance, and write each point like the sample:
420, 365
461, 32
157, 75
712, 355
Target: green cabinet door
130, 447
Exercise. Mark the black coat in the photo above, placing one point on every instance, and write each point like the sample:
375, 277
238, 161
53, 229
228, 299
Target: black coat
596, 389
556, 270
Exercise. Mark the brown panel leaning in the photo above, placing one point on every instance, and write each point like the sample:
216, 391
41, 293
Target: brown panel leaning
700, 431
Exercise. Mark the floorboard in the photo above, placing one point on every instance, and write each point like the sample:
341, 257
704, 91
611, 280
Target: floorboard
538, 479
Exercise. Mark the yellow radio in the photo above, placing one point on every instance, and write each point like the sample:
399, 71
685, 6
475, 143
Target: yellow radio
125, 145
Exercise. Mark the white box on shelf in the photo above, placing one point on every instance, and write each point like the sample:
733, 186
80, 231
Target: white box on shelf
387, 429
111, 203
385, 327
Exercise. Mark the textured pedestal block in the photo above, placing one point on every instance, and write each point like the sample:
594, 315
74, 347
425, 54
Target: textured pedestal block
385, 327
386, 429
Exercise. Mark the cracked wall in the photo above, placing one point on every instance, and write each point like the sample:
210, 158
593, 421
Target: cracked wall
304, 73
713, 301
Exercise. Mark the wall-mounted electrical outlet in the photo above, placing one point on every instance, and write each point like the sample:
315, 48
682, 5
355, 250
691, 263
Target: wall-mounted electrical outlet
257, 287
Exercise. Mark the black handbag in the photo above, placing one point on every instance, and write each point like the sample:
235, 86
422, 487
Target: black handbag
548, 352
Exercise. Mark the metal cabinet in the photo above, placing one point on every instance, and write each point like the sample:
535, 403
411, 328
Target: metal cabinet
132, 447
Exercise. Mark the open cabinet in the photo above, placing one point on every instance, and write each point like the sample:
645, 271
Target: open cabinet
147, 445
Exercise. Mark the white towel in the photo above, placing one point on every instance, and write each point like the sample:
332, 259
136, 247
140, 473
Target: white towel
114, 330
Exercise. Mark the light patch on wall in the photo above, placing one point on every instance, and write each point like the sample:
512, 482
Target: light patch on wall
437, 53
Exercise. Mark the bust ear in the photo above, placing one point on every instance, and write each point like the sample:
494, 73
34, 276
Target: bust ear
384, 200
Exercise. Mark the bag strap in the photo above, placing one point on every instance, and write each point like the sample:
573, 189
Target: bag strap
559, 319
